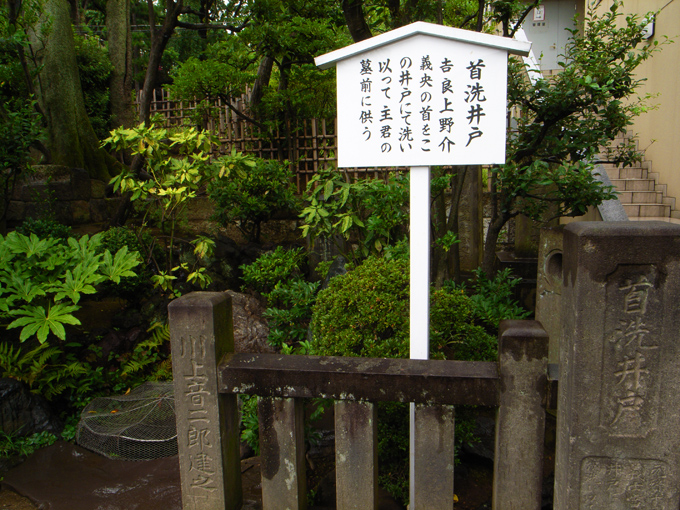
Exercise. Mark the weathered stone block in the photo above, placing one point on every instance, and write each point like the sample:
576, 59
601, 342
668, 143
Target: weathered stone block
81, 184
207, 422
59, 190
432, 454
34, 191
549, 287
282, 447
23, 413
16, 210
356, 455
103, 209
80, 212
619, 408
97, 188
520, 420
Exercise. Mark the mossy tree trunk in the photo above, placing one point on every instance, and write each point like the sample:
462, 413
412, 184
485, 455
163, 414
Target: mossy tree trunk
120, 53
70, 137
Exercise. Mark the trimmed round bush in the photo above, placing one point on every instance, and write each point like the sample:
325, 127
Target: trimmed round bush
366, 313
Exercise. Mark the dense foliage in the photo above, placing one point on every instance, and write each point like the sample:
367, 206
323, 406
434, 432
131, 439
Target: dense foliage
94, 69
42, 280
368, 214
251, 198
178, 164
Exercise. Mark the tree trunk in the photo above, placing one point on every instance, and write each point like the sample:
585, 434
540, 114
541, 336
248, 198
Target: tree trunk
264, 73
159, 40
356, 22
71, 140
492, 234
453, 225
439, 263
120, 53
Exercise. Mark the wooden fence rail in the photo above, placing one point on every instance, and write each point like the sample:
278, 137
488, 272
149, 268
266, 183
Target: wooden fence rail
208, 377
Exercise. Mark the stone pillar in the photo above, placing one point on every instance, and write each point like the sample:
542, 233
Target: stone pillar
207, 422
520, 420
356, 455
549, 288
618, 445
282, 449
433, 457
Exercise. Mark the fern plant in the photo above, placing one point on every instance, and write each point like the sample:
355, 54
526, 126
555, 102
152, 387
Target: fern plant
146, 362
46, 369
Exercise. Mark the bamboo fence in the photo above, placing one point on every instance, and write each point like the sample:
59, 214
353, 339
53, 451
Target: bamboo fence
309, 144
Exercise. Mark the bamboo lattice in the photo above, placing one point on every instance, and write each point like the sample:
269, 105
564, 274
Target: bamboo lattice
313, 142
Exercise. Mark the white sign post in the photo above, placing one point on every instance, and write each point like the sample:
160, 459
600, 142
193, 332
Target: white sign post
418, 96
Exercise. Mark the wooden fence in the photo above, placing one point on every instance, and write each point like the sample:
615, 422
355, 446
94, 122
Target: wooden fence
309, 144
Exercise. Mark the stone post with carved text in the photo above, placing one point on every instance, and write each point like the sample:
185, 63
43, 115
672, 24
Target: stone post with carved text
201, 332
618, 445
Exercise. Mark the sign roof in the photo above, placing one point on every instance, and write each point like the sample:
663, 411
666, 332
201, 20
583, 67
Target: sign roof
422, 28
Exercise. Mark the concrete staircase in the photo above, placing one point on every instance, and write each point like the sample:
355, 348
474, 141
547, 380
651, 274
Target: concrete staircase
639, 192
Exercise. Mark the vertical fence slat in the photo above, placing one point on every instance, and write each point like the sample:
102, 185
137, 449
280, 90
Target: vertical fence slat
356, 455
201, 333
433, 457
520, 419
282, 448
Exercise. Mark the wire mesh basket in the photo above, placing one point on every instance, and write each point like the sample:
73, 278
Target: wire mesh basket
137, 426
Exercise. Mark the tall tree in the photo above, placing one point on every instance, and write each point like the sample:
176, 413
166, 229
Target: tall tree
120, 52
233, 18
71, 140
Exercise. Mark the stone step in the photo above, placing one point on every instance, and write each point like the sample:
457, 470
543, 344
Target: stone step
634, 210
636, 185
640, 197
627, 173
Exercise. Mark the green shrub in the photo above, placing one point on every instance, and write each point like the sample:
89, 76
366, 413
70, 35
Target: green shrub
94, 69
179, 165
278, 276
250, 198
455, 328
366, 313
46, 370
273, 267
493, 299
44, 228
116, 238
290, 311
370, 213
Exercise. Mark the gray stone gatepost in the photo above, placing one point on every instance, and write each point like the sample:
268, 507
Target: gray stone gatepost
549, 287
201, 332
618, 437
520, 419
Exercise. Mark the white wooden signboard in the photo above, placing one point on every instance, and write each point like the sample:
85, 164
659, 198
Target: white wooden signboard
422, 95
418, 96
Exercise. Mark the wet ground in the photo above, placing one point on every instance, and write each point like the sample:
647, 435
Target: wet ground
67, 477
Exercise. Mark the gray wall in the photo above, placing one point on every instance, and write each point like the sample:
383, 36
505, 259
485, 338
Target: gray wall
549, 36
